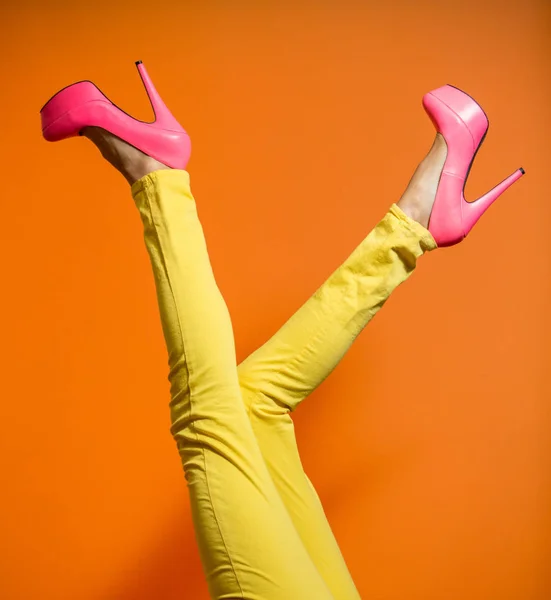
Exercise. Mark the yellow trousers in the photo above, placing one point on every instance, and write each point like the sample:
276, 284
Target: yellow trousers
259, 524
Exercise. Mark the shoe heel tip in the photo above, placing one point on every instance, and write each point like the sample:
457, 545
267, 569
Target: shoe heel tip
522, 170
138, 62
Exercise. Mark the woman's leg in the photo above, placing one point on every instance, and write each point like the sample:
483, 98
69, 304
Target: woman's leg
278, 376
248, 544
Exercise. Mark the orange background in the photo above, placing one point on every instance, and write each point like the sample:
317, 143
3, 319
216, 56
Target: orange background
429, 444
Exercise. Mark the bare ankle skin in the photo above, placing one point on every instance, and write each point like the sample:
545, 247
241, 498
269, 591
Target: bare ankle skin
418, 199
131, 162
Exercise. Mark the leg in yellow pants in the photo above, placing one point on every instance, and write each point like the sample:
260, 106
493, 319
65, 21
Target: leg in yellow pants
260, 527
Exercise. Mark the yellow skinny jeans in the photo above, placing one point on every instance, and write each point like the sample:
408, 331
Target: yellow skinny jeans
259, 523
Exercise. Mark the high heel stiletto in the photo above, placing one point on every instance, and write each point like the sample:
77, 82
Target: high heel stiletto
83, 104
464, 125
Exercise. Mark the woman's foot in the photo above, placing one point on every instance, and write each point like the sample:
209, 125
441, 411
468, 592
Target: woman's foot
127, 159
418, 199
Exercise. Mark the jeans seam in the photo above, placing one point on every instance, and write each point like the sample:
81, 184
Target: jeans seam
148, 183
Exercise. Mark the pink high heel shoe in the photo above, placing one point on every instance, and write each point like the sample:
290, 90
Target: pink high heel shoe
83, 104
464, 125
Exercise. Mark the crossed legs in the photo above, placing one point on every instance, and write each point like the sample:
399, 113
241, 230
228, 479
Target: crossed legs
260, 527
278, 376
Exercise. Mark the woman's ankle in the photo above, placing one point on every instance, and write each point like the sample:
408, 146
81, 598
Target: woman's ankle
132, 163
419, 196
